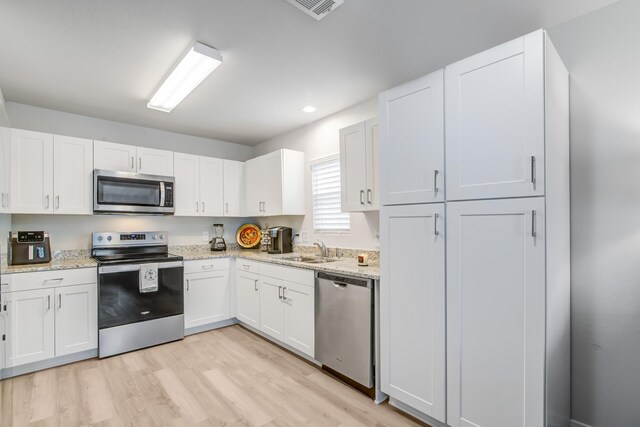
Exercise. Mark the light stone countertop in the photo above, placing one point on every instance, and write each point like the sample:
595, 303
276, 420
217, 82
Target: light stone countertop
347, 266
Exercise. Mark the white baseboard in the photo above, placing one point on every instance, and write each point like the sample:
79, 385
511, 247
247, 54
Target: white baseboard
575, 423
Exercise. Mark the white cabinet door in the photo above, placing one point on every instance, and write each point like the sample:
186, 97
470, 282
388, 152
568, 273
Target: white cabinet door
271, 307
206, 298
353, 165
412, 142
412, 309
76, 318
211, 186
112, 156
5, 169
232, 188
372, 129
272, 185
299, 317
154, 162
31, 172
72, 175
248, 298
31, 332
254, 184
187, 184
496, 313
495, 122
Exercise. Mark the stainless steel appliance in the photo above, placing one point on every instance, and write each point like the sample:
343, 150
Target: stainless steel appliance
140, 291
344, 326
28, 247
218, 243
125, 192
280, 240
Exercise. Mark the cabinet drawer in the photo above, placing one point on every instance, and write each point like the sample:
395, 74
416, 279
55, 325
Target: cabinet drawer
203, 265
248, 266
289, 274
51, 279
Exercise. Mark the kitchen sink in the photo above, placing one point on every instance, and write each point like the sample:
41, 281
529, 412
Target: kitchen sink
309, 259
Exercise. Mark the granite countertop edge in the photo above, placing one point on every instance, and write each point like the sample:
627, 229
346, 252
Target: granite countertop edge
345, 266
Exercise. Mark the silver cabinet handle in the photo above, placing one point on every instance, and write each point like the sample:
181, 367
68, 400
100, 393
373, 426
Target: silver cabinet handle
46, 199
207, 267
58, 201
279, 292
187, 284
246, 266
533, 171
255, 285
48, 302
203, 209
139, 163
435, 181
226, 209
435, 224
534, 231
362, 197
369, 194
197, 207
57, 279
284, 296
132, 164
59, 301
3, 200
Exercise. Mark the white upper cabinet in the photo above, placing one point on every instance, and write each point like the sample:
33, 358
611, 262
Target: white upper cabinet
233, 172
211, 186
199, 185
359, 166
31, 172
496, 313
412, 142
112, 156
495, 122
154, 162
73, 172
412, 306
129, 158
5, 170
274, 184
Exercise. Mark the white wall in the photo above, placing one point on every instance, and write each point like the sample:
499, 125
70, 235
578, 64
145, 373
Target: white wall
52, 121
74, 232
601, 51
317, 140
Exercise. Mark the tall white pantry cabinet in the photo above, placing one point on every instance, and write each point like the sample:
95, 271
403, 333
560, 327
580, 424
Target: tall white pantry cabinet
475, 278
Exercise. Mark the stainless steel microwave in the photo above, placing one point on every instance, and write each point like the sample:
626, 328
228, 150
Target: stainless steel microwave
125, 192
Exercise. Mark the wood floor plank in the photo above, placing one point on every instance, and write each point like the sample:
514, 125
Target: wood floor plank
227, 377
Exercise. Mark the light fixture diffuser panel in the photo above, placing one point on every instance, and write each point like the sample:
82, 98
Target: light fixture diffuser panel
317, 9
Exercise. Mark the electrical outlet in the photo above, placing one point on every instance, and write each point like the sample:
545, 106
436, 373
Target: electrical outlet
205, 236
304, 237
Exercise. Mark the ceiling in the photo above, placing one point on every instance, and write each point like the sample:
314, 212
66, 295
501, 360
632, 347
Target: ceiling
106, 58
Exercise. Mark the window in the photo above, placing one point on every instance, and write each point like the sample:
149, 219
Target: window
325, 185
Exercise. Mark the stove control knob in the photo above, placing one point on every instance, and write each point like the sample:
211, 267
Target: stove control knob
162, 237
155, 237
109, 238
100, 238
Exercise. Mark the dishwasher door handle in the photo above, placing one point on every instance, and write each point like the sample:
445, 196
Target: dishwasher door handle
339, 285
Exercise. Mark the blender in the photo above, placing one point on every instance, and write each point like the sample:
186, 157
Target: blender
218, 243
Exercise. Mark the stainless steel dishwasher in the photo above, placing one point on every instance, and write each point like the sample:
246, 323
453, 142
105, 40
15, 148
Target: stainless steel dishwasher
344, 326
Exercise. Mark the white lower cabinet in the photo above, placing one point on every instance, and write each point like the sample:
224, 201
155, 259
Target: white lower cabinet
248, 298
31, 329
46, 321
76, 318
206, 297
496, 313
271, 307
299, 317
412, 306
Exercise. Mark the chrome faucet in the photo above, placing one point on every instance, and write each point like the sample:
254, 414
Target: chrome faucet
324, 252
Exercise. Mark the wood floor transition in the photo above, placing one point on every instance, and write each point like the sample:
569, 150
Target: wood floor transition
228, 377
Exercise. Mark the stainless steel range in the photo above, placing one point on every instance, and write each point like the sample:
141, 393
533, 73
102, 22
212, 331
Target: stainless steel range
141, 294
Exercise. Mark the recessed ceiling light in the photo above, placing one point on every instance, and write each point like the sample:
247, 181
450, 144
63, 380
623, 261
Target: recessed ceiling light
196, 65
309, 109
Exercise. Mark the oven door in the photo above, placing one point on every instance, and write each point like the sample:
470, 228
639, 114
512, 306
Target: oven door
120, 300
125, 192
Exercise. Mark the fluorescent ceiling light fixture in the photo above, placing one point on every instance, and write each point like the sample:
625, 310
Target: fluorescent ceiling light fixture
196, 65
309, 109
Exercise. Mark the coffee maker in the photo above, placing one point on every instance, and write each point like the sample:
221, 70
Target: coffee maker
280, 240
218, 243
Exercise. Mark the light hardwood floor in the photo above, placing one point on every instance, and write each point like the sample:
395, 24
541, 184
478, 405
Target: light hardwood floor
225, 377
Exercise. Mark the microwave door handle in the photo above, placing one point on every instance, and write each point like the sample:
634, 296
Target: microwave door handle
162, 194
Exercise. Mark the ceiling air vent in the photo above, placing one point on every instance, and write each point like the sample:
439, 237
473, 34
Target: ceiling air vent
316, 8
